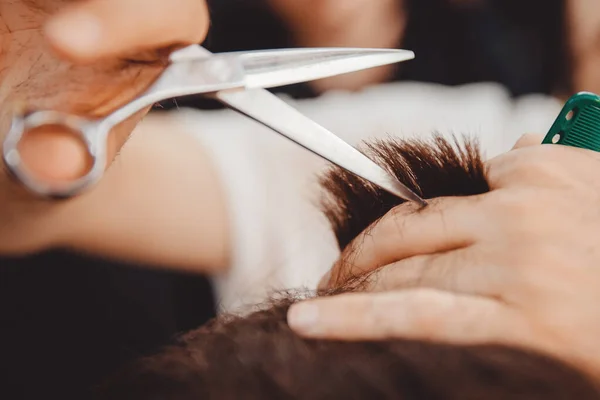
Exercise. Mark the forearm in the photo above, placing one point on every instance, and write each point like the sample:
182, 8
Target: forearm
159, 203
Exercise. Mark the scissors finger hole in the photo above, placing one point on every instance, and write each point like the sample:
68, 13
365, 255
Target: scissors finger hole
54, 153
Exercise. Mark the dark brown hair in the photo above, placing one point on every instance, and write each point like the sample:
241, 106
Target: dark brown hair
257, 356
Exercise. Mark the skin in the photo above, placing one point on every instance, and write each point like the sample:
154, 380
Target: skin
517, 265
72, 56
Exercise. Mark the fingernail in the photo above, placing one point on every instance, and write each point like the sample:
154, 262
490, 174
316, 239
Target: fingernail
303, 317
324, 282
77, 31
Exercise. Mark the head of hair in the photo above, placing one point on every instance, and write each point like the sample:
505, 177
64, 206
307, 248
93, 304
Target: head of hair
257, 356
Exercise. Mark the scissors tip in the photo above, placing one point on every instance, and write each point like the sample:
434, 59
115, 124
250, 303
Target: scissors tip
323, 54
287, 66
374, 57
398, 189
398, 52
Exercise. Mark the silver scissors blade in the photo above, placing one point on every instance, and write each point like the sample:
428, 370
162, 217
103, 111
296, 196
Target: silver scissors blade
274, 113
272, 68
194, 70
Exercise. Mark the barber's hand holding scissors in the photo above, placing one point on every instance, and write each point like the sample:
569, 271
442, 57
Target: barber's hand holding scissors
519, 265
75, 56
85, 57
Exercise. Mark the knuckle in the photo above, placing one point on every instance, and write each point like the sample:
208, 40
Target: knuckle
528, 139
400, 211
527, 165
539, 164
382, 280
515, 205
394, 277
391, 226
527, 213
535, 267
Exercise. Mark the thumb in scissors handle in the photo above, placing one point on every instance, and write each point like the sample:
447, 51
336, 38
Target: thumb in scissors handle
54, 154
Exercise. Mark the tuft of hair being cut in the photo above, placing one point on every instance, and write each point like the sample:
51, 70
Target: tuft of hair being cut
436, 168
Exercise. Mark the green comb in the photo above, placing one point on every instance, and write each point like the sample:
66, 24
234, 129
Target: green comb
578, 124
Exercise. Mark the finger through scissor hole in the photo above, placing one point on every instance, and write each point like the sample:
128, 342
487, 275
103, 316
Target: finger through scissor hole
54, 153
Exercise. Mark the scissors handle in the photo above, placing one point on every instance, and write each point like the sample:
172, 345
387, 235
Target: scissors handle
192, 70
90, 133
578, 123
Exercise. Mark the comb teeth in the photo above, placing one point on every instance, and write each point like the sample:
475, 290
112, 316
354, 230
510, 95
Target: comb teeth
586, 129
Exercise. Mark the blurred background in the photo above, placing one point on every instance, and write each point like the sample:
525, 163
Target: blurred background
545, 47
534, 46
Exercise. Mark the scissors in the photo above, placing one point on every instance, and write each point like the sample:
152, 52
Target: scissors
238, 80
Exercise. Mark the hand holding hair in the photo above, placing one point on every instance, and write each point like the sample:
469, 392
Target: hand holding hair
518, 265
